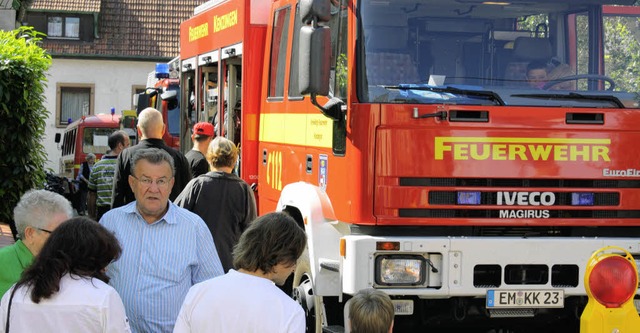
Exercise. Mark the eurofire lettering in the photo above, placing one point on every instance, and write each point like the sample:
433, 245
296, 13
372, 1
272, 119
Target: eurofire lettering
225, 21
522, 149
198, 32
620, 173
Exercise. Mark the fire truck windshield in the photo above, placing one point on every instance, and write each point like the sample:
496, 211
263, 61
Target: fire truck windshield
534, 53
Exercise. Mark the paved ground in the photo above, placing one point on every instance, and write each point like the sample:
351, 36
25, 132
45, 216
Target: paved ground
5, 235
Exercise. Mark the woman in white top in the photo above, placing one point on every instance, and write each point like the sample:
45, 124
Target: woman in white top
65, 289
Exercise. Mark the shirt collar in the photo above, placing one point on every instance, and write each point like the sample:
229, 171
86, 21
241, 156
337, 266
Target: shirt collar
23, 252
169, 217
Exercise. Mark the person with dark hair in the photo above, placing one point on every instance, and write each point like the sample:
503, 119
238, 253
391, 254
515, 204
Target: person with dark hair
65, 289
223, 200
101, 178
370, 311
264, 257
37, 214
167, 249
537, 72
201, 137
150, 129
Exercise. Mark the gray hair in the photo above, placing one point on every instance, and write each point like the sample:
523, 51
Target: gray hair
153, 156
37, 207
91, 156
222, 152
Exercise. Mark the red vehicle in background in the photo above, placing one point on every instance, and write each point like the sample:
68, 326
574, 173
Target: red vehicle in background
86, 135
162, 93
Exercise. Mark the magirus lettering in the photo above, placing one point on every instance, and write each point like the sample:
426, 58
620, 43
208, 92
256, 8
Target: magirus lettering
524, 214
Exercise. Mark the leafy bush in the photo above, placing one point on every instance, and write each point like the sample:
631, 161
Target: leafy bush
23, 67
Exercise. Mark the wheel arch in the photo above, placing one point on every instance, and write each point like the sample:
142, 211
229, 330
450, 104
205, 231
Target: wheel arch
311, 208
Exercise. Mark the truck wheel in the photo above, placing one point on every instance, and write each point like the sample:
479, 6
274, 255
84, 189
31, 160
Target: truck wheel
304, 295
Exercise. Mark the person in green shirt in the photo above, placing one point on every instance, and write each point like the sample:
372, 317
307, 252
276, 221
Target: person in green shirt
36, 215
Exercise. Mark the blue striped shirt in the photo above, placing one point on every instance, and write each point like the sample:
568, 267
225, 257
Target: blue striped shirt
159, 263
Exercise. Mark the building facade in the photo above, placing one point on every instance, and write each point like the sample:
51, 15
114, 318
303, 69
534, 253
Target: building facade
102, 52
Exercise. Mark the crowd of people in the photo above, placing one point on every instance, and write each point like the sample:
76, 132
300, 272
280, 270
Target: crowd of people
162, 252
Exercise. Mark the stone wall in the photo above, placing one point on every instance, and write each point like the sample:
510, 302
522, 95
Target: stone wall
7, 18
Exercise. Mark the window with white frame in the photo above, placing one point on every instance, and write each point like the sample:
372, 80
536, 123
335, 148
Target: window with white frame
74, 101
63, 27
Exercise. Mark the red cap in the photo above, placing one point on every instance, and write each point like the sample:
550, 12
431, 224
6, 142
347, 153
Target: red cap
203, 128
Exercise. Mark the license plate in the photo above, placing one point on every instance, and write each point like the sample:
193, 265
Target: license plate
525, 299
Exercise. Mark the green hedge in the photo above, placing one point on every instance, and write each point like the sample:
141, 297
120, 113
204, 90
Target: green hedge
23, 68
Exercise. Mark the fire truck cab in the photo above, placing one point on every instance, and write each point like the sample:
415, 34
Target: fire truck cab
422, 156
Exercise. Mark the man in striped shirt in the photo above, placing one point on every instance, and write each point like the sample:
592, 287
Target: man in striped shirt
165, 248
101, 178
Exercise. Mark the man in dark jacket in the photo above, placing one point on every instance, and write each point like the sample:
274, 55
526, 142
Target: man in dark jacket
150, 129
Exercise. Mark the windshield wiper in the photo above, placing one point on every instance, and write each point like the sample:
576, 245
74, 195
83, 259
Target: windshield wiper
453, 90
575, 96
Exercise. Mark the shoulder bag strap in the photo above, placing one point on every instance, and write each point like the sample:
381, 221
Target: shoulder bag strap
6, 326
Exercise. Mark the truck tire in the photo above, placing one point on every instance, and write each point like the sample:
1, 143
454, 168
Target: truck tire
303, 293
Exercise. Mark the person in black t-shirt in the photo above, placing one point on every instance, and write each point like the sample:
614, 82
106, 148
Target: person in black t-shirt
201, 137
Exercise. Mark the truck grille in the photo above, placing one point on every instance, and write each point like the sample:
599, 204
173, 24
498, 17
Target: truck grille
506, 182
489, 188
489, 198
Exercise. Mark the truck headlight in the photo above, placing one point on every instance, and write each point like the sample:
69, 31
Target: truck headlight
400, 270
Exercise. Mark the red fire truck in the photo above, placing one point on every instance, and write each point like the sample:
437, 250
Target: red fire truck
86, 135
412, 143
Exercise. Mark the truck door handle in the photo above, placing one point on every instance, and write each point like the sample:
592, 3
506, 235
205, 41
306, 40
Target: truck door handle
469, 116
309, 163
585, 118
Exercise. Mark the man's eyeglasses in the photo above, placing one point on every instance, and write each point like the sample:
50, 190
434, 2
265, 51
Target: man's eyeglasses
43, 230
160, 182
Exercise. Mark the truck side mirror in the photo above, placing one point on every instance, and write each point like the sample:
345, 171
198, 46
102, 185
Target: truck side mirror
315, 60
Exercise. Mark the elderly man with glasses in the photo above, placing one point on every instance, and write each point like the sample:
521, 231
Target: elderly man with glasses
36, 215
166, 248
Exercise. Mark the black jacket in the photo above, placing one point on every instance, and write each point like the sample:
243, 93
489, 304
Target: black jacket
226, 204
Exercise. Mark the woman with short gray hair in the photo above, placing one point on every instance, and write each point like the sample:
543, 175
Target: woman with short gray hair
37, 214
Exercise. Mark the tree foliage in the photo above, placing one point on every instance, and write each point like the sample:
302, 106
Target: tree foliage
23, 67
622, 51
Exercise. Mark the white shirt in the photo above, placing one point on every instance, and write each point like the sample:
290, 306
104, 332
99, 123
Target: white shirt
238, 302
82, 305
